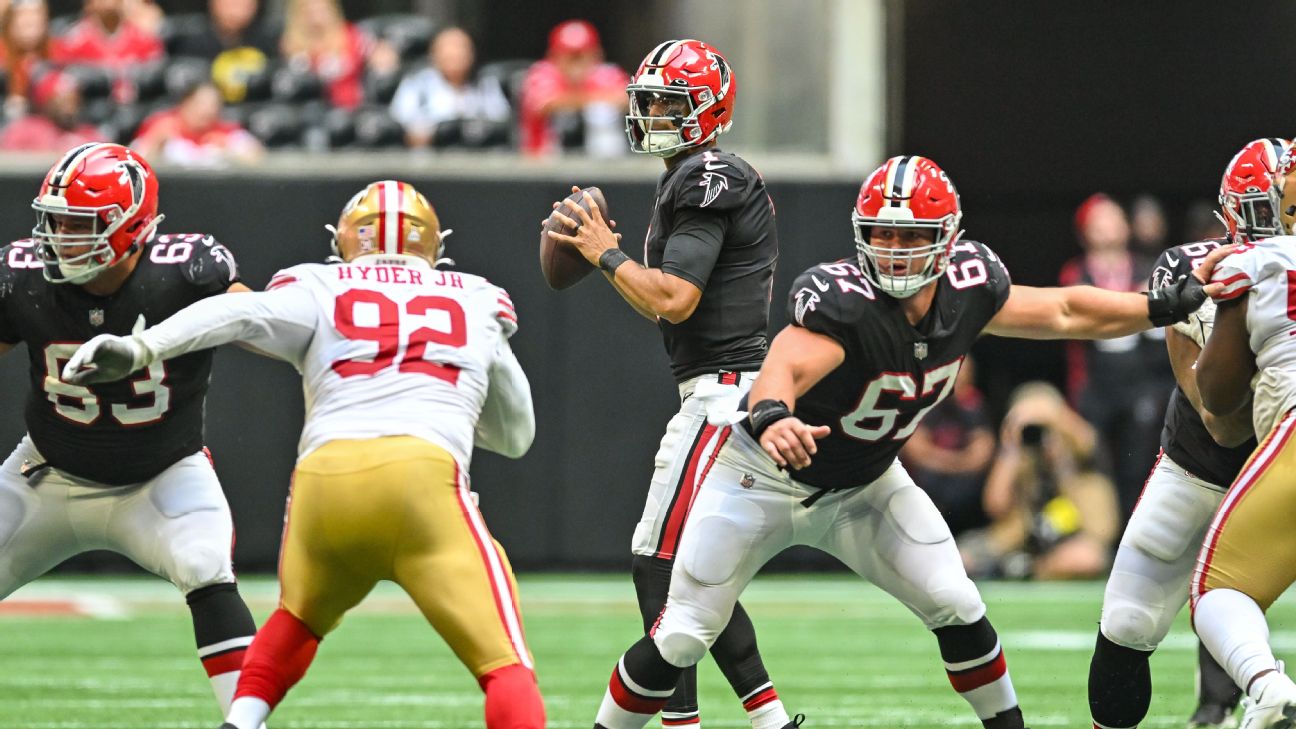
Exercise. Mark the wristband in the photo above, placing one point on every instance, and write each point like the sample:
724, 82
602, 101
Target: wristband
766, 413
611, 259
1175, 302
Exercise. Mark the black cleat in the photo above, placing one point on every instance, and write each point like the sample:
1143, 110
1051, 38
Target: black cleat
796, 722
1213, 716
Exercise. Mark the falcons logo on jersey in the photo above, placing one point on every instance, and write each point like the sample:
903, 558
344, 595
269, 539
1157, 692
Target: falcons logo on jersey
715, 184
806, 300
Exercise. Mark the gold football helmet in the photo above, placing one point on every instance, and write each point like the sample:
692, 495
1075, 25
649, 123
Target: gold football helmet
1282, 193
388, 217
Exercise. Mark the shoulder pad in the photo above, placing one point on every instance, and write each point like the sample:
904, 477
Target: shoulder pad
203, 261
974, 265
714, 181
829, 298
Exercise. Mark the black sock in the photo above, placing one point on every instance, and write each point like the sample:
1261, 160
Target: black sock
963, 643
1214, 685
1120, 684
651, 577
736, 654
223, 630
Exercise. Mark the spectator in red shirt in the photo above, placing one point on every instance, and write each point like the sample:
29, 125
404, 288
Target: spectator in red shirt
104, 37
317, 36
572, 90
192, 134
24, 46
56, 125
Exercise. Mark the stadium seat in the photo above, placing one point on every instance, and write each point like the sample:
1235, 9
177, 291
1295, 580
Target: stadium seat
94, 82
339, 128
380, 88
375, 129
98, 111
509, 73
291, 84
126, 118
277, 125
258, 84
182, 74
408, 33
471, 133
149, 81
176, 26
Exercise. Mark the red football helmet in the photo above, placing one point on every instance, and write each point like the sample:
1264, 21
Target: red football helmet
906, 192
1246, 207
97, 205
682, 96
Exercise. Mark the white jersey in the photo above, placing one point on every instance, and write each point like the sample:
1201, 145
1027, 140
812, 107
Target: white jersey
386, 345
1266, 272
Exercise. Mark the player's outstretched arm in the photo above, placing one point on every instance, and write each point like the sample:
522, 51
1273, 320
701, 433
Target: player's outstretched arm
798, 358
507, 421
1087, 312
280, 323
1228, 430
1227, 364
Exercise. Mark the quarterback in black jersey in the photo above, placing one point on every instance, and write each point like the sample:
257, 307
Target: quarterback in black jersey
875, 343
119, 466
705, 279
1200, 457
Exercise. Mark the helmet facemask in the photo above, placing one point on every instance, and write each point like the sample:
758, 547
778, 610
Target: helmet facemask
920, 264
1251, 214
79, 255
674, 127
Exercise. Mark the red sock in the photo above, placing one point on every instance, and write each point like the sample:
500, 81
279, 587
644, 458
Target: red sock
512, 698
277, 659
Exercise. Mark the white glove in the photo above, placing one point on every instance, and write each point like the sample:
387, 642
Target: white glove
1199, 324
106, 358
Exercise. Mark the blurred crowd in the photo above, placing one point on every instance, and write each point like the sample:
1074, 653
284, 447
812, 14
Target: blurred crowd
221, 87
1047, 493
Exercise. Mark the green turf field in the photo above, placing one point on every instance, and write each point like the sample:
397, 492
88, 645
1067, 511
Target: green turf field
840, 651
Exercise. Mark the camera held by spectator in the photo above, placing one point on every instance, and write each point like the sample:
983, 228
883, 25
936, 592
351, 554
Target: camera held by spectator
1053, 512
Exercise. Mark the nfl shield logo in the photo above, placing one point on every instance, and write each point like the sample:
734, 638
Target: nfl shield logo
96, 317
920, 350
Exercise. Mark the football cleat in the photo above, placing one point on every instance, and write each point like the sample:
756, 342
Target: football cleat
1213, 716
1275, 708
796, 722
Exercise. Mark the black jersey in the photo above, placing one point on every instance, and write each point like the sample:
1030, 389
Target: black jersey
1184, 437
894, 372
713, 226
121, 432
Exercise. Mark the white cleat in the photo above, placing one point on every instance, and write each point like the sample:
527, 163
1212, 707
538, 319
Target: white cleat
1276, 706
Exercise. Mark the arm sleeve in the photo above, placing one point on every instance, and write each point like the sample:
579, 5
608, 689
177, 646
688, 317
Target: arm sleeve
694, 245
279, 323
507, 422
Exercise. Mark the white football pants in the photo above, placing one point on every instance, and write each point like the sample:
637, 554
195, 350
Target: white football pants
176, 525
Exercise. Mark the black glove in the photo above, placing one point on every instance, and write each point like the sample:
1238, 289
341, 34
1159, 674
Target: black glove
1173, 303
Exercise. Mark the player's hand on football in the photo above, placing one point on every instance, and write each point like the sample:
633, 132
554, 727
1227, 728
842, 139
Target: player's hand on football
791, 442
105, 358
593, 235
1206, 269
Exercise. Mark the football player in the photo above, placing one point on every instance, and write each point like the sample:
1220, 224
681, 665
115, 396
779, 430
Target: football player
705, 280
1149, 577
1248, 557
119, 466
876, 341
406, 367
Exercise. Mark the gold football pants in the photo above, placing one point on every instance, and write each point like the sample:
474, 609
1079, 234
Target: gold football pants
399, 509
1251, 545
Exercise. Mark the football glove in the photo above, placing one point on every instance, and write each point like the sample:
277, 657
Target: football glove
1199, 324
105, 358
1175, 302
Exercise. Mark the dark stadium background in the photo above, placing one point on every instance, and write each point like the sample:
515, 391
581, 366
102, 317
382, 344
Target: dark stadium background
1029, 107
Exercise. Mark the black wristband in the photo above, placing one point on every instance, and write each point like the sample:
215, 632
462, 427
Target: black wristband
1175, 302
611, 259
766, 413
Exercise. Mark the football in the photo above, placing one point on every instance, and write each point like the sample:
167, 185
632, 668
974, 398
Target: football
561, 264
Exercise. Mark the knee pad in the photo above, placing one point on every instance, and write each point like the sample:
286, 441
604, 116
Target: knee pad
679, 649
199, 566
958, 600
1135, 612
916, 517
